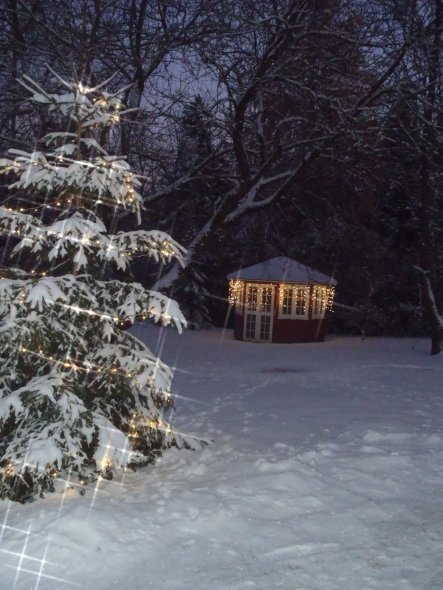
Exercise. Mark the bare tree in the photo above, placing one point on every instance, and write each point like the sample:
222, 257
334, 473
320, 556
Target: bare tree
415, 149
294, 78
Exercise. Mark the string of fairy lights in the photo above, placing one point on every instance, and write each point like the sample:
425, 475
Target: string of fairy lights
136, 427
89, 368
235, 294
129, 195
142, 315
137, 423
291, 296
162, 248
60, 203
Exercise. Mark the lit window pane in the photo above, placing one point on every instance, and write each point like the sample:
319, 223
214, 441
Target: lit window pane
319, 303
287, 301
252, 298
266, 299
300, 301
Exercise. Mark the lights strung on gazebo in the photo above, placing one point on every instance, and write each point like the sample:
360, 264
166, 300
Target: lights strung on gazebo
235, 292
323, 297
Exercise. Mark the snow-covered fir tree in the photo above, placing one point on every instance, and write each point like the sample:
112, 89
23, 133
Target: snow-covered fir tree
80, 396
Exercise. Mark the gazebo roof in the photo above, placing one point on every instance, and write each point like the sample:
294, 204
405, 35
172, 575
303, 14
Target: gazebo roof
282, 270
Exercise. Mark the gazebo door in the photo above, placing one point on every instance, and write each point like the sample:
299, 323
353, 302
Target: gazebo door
259, 312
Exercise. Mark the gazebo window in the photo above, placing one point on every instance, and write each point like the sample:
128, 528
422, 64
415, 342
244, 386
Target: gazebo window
286, 308
293, 302
259, 298
252, 298
266, 299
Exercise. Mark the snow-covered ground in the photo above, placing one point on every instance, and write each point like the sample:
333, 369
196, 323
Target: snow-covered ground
325, 473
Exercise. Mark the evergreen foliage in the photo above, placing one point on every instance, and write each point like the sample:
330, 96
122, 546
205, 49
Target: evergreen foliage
80, 396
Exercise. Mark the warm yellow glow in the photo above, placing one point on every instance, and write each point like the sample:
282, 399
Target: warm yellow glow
295, 300
322, 298
9, 470
91, 312
68, 364
235, 292
165, 250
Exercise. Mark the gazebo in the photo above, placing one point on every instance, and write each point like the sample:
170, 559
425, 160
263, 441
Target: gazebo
280, 300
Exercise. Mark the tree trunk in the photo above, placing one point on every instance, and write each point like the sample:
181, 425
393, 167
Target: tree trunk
434, 317
427, 249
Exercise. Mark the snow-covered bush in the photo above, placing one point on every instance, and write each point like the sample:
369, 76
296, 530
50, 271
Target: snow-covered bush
80, 396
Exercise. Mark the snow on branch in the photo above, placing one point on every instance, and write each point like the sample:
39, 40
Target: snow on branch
154, 243
16, 222
89, 107
100, 179
83, 236
80, 294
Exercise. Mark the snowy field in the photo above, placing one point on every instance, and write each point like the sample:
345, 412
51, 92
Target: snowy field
325, 473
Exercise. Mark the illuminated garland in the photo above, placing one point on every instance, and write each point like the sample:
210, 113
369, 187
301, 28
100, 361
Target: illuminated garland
88, 368
322, 297
21, 275
137, 251
60, 202
136, 432
321, 293
120, 320
326, 297
67, 363
235, 292
297, 296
